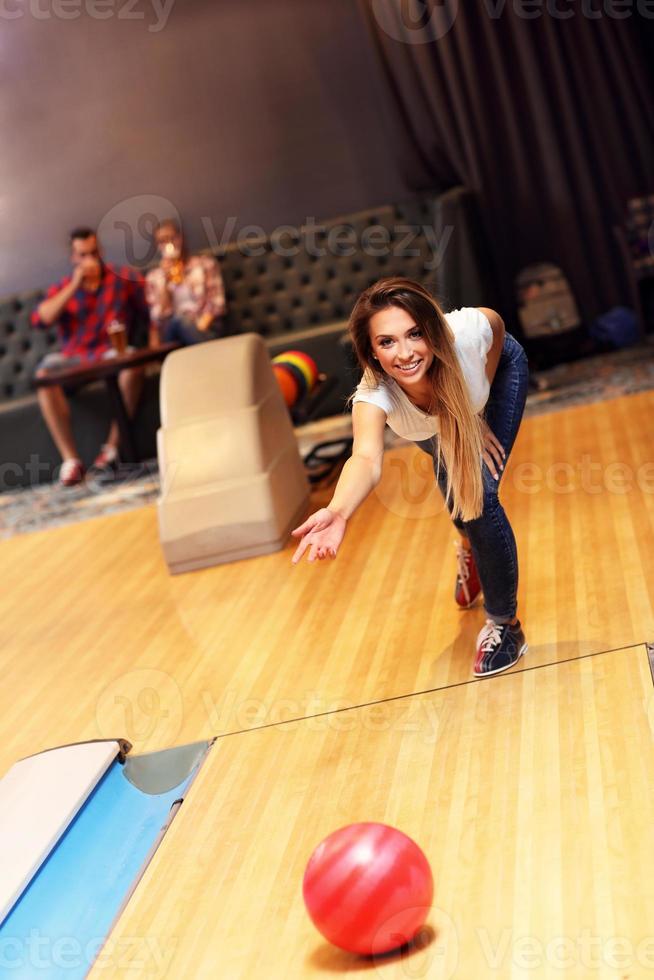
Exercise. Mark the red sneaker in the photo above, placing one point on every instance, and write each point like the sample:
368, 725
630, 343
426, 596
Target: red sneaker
106, 462
71, 473
468, 586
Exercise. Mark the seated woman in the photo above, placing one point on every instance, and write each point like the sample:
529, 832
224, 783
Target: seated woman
185, 294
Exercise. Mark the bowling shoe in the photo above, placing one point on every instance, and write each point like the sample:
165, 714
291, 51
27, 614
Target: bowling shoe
71, 473
106, 463
499, 646
467, 586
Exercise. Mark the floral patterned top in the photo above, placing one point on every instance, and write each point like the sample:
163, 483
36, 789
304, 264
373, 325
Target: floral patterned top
195, 292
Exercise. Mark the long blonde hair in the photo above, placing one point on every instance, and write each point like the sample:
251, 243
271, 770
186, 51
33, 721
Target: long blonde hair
461, 442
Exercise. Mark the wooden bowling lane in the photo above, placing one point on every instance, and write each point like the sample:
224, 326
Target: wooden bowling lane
98, 640
531, 795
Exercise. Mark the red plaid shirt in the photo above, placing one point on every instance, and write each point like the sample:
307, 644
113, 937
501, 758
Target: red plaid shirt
83, 323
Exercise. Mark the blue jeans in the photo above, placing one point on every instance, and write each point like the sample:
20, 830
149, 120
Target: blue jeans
182, 331
491, 536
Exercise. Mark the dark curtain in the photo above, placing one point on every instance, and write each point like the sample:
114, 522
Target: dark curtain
550, 120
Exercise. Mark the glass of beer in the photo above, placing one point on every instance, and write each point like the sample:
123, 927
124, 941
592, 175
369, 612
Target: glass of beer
118, 336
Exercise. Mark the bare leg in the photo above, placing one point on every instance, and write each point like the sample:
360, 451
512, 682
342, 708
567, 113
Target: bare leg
130, 382
56, 413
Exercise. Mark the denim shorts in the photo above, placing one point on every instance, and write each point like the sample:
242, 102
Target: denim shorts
57, 359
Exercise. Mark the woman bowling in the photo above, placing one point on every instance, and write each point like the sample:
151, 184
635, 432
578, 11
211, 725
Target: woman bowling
456, 385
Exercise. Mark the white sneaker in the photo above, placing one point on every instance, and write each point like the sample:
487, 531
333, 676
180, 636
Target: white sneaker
71, 472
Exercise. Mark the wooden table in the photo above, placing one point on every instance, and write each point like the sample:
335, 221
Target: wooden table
108, 369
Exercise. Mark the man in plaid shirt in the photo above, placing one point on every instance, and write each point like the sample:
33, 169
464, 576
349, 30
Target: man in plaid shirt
83, 305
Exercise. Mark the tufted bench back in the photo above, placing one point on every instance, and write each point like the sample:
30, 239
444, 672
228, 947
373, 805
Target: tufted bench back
21, 347
311, 276
296, 281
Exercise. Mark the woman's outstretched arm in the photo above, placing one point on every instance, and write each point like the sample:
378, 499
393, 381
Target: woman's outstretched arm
323, 531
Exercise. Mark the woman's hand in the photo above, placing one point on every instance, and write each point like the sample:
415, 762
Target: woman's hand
493, 454
322, 532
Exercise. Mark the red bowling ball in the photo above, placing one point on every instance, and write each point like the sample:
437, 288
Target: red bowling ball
368, 888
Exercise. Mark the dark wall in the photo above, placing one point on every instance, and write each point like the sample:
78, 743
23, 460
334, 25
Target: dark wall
262, 110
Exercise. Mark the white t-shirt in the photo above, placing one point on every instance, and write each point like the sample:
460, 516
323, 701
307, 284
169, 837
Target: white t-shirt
473, 338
